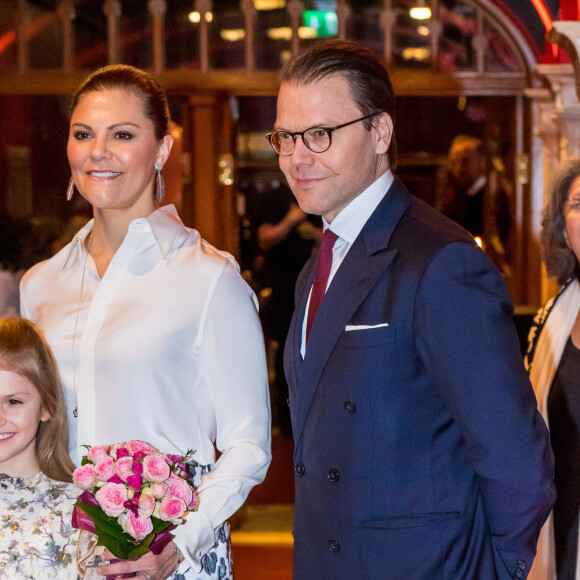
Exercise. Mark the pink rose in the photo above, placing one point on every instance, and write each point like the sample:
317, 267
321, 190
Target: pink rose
135, 526
122, 452
135, 446
96, 452
105, 467
157, 489
118, 450
135, 482
155, 467
181, 489
124, 467
171, 508
146, 505
111, 498
85, 476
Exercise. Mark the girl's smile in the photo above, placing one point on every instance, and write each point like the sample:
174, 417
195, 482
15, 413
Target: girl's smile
21, 413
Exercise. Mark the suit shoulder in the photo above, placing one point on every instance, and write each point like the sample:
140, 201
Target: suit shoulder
425, 227
439, 225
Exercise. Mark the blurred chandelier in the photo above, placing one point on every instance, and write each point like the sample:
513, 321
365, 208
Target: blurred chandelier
420, 11
269, 4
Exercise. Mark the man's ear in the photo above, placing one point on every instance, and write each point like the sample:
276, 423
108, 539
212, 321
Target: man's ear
383, 126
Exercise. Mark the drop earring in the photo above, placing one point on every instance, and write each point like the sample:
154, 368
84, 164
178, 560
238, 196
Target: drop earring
160, 193
70, 190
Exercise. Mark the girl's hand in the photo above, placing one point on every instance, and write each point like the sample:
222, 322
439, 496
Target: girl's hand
147, 567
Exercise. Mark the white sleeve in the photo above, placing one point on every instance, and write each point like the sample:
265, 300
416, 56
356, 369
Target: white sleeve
235, 388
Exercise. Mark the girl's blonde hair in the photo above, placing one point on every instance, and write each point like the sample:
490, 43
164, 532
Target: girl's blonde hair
25, 352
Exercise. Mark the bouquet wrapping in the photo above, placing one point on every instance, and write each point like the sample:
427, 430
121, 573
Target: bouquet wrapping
133, 496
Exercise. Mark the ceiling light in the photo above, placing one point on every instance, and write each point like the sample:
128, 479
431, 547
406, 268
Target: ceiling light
195, 17
285, 33
269, 4
420, 11
307, 32
233, 35
282, 33
415, 53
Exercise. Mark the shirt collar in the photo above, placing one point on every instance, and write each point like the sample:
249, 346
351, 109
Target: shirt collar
351, 220
167, 228
164, 223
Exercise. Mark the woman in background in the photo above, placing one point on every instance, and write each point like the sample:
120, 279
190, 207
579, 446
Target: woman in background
553, 361
156, 334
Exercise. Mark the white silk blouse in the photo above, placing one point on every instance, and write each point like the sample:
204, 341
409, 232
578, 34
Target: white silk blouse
168, 349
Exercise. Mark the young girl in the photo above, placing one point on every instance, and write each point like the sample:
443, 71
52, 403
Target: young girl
36, 537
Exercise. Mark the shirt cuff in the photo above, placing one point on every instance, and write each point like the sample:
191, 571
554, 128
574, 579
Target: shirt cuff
194, 538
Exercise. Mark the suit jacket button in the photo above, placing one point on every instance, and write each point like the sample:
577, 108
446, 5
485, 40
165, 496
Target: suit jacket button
333, 475
299, 469
349, 407
521, 565
333, 546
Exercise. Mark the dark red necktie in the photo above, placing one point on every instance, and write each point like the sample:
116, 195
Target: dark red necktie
323, 266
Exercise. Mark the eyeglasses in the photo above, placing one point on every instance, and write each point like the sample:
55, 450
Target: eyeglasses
317, 139
572, 204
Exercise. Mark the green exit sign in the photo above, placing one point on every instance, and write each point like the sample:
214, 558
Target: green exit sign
324, 22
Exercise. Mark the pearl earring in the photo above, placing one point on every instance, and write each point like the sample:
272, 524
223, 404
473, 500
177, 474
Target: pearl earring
160, 193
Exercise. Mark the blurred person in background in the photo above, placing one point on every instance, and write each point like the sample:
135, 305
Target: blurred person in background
285, 237
23, 243
13, 235
473, 193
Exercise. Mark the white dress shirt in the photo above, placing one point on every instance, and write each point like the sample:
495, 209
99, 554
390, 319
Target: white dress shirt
347, 225
168, 350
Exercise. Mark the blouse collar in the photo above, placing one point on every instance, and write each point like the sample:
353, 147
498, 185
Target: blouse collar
168, 231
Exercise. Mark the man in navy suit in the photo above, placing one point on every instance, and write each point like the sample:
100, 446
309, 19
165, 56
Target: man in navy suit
419, 453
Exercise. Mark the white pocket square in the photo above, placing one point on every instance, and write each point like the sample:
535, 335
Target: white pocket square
350, 327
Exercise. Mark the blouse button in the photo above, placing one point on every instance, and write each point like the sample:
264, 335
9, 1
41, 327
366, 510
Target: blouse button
333, 546
349, 407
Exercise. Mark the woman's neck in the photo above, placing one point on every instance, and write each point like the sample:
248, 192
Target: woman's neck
109, 231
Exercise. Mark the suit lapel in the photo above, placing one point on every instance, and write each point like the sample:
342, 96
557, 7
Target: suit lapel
292, 356
366, 260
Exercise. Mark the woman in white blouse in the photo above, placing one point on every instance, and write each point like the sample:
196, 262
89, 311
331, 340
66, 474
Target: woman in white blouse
156, 334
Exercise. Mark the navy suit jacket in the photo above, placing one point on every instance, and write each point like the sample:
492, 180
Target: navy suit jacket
419, 453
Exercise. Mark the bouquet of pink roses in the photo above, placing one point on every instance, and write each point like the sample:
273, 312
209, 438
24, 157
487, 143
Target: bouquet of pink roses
134, 495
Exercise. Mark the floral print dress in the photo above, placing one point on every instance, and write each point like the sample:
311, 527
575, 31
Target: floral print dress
37, 541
